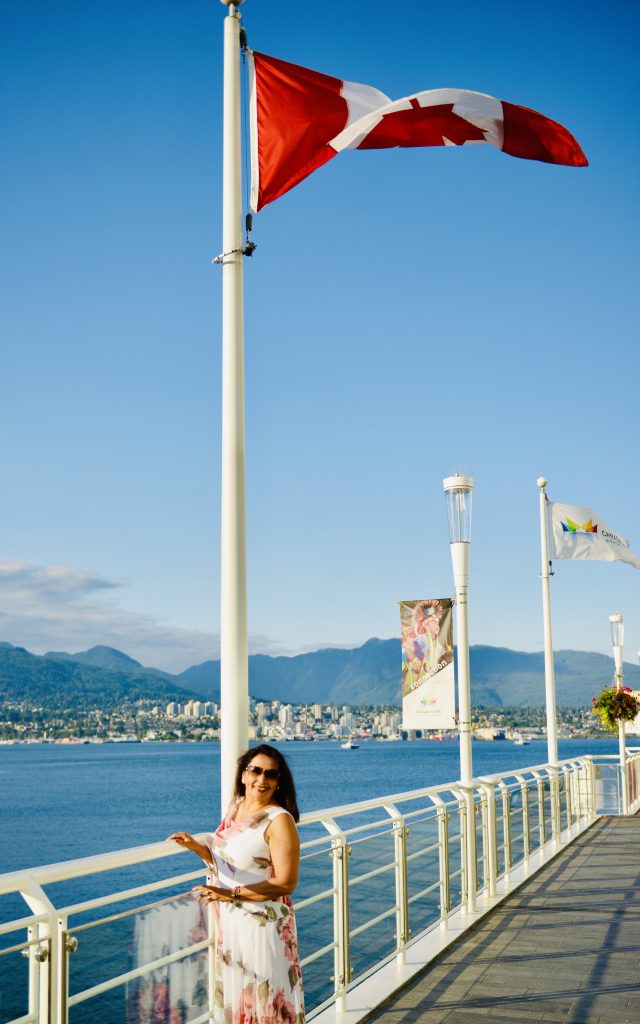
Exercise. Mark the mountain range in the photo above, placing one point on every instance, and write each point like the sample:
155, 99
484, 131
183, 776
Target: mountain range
369, 674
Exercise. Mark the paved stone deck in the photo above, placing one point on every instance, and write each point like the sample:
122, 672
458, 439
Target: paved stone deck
565, 947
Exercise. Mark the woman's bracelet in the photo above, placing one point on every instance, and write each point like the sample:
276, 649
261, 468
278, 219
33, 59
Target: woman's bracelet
235, 892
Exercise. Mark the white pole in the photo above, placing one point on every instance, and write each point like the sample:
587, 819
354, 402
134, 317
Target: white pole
234, 672
457, 489
460, 556
549, 675
460, 552
622, 739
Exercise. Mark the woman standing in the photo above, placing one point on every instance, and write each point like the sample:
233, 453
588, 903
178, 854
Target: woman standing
255, 858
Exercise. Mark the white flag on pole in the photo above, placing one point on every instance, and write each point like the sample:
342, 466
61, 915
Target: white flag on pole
578, 532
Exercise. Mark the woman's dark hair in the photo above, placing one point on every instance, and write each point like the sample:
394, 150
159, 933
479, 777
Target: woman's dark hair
285, 794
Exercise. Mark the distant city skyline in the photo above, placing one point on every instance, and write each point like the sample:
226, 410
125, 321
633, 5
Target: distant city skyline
408, 314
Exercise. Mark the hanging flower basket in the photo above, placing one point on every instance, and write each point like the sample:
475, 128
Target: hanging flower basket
615, 704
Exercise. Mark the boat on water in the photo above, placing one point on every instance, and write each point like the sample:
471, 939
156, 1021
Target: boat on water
349, 745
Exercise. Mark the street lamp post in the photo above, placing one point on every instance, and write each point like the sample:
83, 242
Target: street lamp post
457, 491
617, 638
458, 496
549, 674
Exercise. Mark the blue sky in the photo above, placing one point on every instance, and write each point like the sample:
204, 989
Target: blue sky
408, 314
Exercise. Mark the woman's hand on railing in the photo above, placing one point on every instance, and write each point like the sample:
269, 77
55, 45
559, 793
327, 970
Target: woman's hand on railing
206, 894
186, 840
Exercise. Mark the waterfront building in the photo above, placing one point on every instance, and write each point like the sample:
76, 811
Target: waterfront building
488, 733
285, 716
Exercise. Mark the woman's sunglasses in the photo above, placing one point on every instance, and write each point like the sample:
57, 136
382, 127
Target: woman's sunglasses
269, 773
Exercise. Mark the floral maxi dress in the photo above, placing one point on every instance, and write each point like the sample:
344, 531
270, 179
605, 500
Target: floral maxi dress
258, 977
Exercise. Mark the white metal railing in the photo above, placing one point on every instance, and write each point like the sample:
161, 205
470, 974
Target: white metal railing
375, 875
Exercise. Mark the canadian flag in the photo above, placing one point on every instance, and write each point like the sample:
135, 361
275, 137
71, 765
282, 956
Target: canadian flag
301, 119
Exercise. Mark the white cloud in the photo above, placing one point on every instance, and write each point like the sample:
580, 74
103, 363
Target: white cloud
61, 608
24, 579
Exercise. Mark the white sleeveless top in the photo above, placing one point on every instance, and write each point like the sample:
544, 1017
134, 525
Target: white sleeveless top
239, 848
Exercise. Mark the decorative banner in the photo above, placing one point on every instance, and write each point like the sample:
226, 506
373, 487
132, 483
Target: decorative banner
428, 684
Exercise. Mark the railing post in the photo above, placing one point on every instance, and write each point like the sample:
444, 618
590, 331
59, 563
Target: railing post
340, 851
526, 830
402, 896
624, 774
39, 973
557, 811
556, 819
567, 796
631, 784
400, 833
443, 857
46, 980
575, 772
483, 859
35, 955
469, 848
464, 883
583, 783
506, 826
491, 880
541, 816
588, 777
67, 944
47, 958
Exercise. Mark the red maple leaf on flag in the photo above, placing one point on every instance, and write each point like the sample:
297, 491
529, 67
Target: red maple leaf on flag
421, 126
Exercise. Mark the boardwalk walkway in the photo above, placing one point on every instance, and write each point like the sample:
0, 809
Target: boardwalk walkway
564, 947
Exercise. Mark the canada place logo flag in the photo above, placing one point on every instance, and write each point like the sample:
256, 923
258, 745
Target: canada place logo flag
582, 533
301, 119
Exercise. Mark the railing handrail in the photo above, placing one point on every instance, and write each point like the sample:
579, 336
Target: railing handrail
65, 870
414, 794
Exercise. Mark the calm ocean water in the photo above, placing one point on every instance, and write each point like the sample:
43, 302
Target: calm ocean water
63, 802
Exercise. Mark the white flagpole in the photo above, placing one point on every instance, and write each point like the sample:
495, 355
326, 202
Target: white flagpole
549, 675
234, 671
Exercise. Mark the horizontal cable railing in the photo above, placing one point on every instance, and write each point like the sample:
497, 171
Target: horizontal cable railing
375, 875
